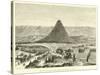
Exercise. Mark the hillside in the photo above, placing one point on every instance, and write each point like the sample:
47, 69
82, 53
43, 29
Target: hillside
33, 33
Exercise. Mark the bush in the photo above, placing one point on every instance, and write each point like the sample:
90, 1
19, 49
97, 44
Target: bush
59, 51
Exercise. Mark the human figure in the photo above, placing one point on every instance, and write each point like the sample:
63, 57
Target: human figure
74, 58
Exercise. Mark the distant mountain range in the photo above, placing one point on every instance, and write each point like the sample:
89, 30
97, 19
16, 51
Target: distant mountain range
31, 33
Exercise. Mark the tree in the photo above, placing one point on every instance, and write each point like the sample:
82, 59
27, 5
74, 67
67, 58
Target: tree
59, 51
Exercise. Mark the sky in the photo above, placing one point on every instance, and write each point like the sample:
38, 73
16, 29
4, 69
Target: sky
47, 15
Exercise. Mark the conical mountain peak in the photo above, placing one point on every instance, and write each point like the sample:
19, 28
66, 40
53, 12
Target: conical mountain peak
59, 22
57, 35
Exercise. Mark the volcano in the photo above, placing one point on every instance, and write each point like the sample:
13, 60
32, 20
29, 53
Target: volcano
57, 35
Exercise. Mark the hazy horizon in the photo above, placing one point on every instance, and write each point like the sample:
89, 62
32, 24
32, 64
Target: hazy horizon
51, 26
